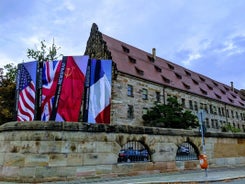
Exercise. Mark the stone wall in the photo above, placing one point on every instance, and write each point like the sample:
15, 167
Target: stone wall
38, 151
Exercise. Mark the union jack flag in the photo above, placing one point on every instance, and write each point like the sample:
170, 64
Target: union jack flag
50, 76
26, 90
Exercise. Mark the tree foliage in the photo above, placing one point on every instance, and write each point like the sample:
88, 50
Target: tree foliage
45, 53
170, 115
8, 77
7, 93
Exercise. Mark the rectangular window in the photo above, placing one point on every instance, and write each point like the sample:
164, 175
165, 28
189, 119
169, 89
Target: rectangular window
227, 113
190, 104
212, 123
211, 109
158, 97
144, 110
206, 107
207, 123
195, 106
183, 102
130, 91
144, 94
237, 115
219, 111
214, 110
130, 111
201, 105
223, 111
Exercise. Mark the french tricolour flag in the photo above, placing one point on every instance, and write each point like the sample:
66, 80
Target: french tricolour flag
100, 91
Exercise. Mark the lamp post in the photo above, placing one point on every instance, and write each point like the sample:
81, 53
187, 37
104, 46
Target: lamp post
203, 157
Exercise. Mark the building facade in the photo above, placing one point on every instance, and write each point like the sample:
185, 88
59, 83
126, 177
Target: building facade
140, 79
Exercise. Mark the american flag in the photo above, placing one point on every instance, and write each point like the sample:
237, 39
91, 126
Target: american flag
26, 98
50, 77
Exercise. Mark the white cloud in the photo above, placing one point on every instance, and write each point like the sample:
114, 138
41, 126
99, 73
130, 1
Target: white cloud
191, 57
5, 59
195, 34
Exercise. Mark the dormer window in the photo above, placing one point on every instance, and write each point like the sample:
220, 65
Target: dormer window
233, 95
222, 91
230, 100
226, 88
178, 76
132, 60
171, 67
218, 96
187, 73
195, 82
203, 91
139, 71
166, 80
241, 103
158, 68
215, 83
125, 49
151, 59
202, 79
186, 85
210, 87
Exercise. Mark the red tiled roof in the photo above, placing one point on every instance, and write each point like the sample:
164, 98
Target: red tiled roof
136, 62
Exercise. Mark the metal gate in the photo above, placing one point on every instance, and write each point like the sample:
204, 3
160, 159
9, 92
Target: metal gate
133, 152
186, 151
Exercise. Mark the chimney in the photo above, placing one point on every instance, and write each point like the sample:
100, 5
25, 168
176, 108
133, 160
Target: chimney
154, 54
232, 86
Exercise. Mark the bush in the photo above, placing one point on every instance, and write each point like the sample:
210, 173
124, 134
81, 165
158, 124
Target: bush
170, 115
229, 128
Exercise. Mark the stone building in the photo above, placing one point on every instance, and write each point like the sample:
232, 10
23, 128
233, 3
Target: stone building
140, 79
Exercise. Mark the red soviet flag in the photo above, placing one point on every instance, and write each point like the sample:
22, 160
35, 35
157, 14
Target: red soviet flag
69, 104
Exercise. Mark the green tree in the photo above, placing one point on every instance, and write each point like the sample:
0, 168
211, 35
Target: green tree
7, 93
8, 77
170, 115
45, 53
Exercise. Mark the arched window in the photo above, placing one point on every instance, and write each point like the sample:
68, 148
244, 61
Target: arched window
134, 151
187, 151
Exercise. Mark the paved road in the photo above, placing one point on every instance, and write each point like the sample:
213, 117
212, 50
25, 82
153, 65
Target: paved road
216, 175
230, 175
236, 181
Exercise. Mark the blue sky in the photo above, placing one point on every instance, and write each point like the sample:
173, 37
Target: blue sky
205, 36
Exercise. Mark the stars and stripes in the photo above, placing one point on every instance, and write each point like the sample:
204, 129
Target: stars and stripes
26, 98
61, 89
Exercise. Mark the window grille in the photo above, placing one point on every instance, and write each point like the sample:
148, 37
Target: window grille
190, 104
130, 111
130, 90
186, 151
158, 96
195, 106
133, 151
144, 94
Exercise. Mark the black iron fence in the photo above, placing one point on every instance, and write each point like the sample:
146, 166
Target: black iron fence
186, 151
133, 152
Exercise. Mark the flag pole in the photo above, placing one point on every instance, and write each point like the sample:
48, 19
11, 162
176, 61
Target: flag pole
86, 92
38, 102
58, 90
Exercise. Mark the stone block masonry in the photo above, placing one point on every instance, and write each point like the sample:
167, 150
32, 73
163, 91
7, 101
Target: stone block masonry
50, 151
